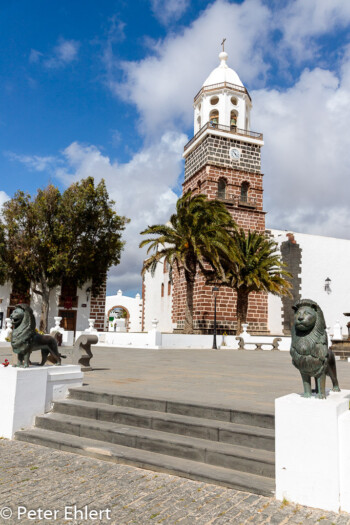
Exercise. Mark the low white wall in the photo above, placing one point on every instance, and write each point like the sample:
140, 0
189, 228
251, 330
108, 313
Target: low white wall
165, 340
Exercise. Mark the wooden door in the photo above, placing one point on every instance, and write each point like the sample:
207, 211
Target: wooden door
69, 319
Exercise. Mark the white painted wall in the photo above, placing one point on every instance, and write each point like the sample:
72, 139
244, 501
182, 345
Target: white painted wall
321, 258
133, 306
156, 306
5, 291
274, 316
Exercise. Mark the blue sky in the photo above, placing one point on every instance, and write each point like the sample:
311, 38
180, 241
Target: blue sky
106, 89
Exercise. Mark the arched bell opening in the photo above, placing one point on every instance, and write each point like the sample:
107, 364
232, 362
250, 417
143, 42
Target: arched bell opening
214, 118
233, 120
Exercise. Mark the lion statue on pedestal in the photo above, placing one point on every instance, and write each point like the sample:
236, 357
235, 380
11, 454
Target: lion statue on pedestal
25, 339
309, 349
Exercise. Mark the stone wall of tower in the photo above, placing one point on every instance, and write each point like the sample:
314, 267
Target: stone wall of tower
214, 149
208, 163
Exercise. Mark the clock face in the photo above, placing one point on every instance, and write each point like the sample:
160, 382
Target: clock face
235, 154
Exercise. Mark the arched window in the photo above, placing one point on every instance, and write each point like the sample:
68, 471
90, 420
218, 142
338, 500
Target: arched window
162, 290
199, 186
244, 191
214, 118
169, 287
199, 122
233, 120
222, 189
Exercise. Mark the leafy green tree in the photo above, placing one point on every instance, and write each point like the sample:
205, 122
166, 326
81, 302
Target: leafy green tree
74, 235
194, 239
254, 265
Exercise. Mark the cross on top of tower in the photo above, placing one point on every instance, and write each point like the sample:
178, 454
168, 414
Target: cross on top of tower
223, 44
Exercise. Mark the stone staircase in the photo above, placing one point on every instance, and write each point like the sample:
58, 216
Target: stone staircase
212, 444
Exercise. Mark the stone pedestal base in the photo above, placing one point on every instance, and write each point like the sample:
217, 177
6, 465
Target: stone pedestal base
28, 392
308, 449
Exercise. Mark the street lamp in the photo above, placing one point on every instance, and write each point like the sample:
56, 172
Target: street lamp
327, 285
215, 291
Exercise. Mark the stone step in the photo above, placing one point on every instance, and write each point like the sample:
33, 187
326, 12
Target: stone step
149, 460
236, 457
214, 430
250, 418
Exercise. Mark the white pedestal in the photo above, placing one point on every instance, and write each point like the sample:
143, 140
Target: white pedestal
307, 449
28, 392
344, 464
154, 339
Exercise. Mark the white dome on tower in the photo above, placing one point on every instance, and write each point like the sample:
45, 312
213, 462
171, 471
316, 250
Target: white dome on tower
223, 73
223, 102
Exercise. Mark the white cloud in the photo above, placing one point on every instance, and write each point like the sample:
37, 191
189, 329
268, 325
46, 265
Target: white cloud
3, 198
306, 158
300, 20
141, 189
162, 85
65, 52
34, 56
169, 11
33, 162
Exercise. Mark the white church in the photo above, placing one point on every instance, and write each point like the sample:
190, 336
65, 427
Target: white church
222, 160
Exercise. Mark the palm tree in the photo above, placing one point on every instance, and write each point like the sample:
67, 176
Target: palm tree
254, 266
197, 235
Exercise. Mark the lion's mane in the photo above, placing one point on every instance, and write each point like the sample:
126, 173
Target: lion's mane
23, 334
319, 327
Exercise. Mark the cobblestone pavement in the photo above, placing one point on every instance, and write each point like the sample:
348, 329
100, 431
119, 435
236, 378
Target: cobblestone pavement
36, 478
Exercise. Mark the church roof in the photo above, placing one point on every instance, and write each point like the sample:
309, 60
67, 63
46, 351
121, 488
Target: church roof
223, 73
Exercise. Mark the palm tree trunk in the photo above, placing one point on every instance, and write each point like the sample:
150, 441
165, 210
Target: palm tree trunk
242, 308
190, 278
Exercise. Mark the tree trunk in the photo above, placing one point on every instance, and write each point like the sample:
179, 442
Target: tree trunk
242, 308
190, 278
45, 300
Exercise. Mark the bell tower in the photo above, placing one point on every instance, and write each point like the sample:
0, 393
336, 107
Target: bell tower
222, 161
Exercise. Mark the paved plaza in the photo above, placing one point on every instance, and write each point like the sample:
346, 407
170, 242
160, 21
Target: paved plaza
232, 378
34, 477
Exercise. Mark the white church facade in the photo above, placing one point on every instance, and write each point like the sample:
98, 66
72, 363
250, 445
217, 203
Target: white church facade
222, 160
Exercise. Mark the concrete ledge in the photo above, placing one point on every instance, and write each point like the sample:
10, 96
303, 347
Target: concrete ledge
28, 392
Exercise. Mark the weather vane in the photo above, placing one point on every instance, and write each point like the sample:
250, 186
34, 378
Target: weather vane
223, 44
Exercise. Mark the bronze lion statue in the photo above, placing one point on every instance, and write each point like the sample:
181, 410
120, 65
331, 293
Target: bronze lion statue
309, 349
25, 339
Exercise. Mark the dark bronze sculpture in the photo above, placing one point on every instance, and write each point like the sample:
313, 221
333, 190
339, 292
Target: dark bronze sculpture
309, 350
25, 339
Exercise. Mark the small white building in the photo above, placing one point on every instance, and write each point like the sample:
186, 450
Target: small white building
123, 313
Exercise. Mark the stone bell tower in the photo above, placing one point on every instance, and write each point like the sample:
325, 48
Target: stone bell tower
222, 161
